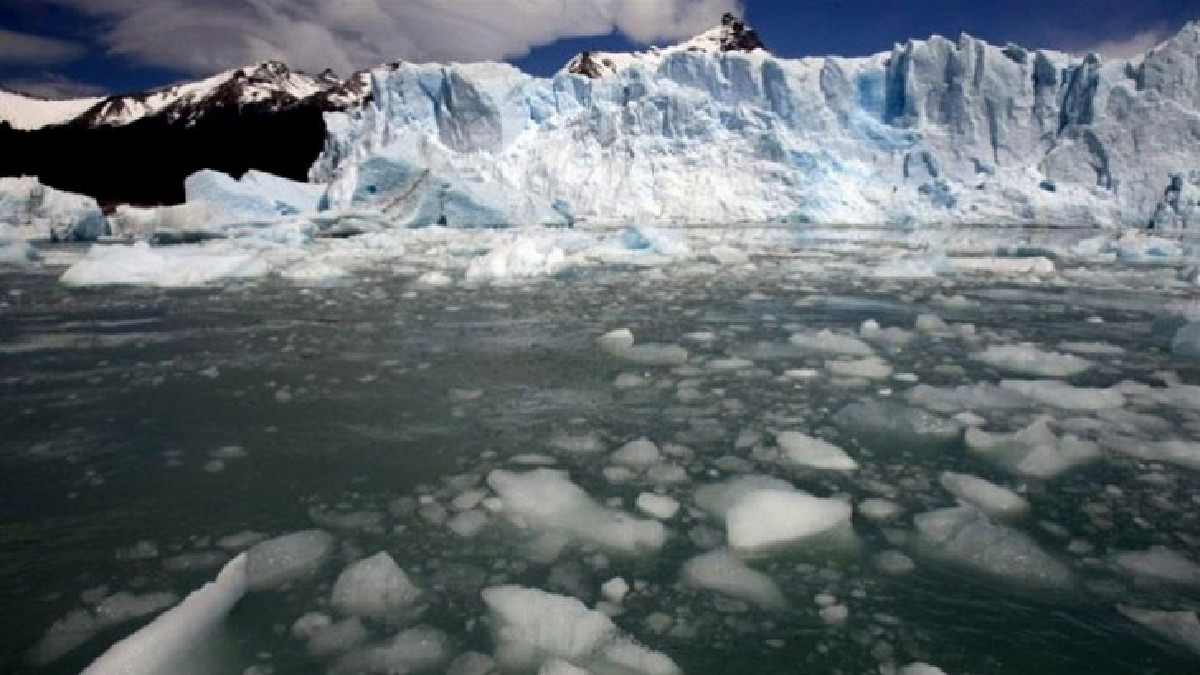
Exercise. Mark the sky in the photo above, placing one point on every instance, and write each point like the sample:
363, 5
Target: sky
62, 48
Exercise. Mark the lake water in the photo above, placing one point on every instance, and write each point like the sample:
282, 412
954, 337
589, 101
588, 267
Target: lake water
140, 429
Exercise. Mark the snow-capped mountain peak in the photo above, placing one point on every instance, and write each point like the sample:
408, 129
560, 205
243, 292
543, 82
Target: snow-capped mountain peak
270, 85
732, 34
266, 87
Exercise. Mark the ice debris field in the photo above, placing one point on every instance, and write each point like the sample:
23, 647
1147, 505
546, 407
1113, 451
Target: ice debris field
607, 450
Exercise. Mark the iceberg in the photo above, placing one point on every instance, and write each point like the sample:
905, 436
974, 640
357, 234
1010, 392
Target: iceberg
39, 211
256, 195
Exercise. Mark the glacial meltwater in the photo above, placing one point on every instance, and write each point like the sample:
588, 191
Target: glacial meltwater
797, 456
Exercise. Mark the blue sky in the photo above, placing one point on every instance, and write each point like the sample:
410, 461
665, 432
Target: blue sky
95, 46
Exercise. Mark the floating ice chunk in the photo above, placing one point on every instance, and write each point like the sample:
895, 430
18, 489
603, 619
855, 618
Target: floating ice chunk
620, 343
727, 365
170, 267
725, 573
1029, 360
310, 624
828, 342
435, 279
932, 324
588, 443
329, 637
161, 646
615, 589
374, 587
630, 381
921, 669
520, 257
1179, 452
803, 450
1001, 266
982, 396
964, 536
473, 663
1066, 397
314, 273
277, 561
892, 336
1182, 628
468, 524
871, 368
468, 500
1157, 565
658, 506
894, 563
995, 501
547, 500
531, 627
763, 513
891, 425
835, 615
765, 520
1187, 341
415, 650
639, 453
878, 509
617, 341
1035, 451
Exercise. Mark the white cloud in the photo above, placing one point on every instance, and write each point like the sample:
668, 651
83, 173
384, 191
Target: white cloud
351, 34
26, 49
53, 86
1126, 47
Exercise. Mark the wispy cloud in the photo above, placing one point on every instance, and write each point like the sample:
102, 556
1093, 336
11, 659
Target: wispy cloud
26, 49
53, 86
1126, 46
351, 34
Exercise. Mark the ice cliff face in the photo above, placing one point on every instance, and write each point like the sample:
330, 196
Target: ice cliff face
934, 131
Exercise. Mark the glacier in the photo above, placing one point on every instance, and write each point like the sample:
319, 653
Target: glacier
934, 131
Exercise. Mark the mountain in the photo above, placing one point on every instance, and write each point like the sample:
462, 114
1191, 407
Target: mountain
265, 87
265, 117
936, 130
731, 35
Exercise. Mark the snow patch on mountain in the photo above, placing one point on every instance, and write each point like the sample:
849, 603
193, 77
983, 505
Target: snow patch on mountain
26, 113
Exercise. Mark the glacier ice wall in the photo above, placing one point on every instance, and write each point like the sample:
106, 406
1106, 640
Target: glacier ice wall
935, 131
